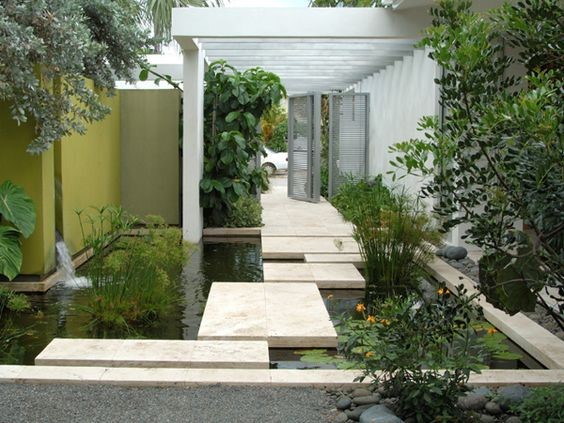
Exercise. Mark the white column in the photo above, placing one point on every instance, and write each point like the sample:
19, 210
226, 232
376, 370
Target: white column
193, 144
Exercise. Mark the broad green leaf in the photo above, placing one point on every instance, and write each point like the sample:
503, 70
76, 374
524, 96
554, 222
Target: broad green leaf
17, 208
232, 116
10, 252
143, 75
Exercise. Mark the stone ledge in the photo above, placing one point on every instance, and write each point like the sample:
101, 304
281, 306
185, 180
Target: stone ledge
533, 338
246, 377
232, 232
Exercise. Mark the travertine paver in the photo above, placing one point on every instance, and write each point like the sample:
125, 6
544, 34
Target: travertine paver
289, 315
155, 353
355, 259
324, 275
292, 248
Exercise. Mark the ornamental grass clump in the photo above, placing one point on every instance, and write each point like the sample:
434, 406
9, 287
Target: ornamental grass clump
422, 352
396, 240
135, 279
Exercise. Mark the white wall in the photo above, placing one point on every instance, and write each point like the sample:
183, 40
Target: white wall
399, 96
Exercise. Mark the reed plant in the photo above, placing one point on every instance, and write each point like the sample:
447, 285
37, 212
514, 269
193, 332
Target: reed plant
395, 236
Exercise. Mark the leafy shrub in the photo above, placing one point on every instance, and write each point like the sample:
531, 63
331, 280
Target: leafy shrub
245, 213
16, 303
233, 104
544, 404
279, 140
354, 192
17, 208
422, 352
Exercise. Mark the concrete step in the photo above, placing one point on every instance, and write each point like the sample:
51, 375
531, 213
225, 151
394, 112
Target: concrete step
155, 353
286, 315
355, 259
324, 275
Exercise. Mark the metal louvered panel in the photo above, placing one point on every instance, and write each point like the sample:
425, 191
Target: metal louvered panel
348, 138
303, 148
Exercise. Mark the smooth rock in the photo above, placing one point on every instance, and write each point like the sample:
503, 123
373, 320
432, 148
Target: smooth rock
344, 402
472, 401
389, 402
440, 252
510, 396
361, 392
455, 253
493, 408
379, 414
371, 399
513, 419
486, 418
355, 414
341, 418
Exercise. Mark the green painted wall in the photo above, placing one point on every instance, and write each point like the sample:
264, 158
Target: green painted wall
36, 175
149, 153
87, 169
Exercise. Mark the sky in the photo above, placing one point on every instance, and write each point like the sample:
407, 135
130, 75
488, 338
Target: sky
267, 3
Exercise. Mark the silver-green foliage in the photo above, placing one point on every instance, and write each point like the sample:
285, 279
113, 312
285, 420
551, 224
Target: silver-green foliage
49, 47
17, 209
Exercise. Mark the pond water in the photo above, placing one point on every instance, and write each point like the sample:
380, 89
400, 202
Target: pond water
59, 313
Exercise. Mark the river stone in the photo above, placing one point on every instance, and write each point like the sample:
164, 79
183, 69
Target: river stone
341, 418
355, 414
344, 402
472, 401
455, 253
493, 408
361, 392
379, 414
513, 419
371, 399
486, 418
510, 396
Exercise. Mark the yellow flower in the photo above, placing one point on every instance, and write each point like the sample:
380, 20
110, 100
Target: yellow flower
369, 354
371, 319
360, 308
385, 322
443, 291
491, 331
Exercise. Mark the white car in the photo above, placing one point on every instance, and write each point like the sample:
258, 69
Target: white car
274, 161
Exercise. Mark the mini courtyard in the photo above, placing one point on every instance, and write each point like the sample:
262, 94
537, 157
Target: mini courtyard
388, 266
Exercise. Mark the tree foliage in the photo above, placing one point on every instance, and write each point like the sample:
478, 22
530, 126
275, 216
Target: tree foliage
497, 159
49, 47
345, 3
233, 105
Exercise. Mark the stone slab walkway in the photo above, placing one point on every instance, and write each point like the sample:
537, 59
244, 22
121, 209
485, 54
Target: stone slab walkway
324, 275
155, 353
286, 315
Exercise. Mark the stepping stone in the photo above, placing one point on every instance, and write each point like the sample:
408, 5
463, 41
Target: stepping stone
295, 248
286, 315
325, 275
355, 259
155, 353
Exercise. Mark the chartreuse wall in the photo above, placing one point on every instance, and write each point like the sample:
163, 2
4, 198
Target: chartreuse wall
87, 169
150, 182
36, 175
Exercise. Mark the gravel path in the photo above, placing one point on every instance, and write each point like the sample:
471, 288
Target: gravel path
103, 403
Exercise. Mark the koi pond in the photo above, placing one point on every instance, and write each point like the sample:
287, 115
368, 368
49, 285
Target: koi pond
60, 312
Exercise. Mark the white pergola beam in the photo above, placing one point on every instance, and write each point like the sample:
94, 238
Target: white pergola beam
339, 23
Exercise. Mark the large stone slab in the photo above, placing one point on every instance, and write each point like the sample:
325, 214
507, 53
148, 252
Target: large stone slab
355, 259
324, 275
295, 248
284, 314
155, 353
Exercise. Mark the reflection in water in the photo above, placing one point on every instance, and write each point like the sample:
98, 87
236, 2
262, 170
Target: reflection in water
60, 312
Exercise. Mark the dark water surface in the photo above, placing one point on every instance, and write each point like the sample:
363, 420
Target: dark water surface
59, 312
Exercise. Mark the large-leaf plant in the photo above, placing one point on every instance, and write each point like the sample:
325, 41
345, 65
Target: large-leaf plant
496, 160
233, 105
17, 219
